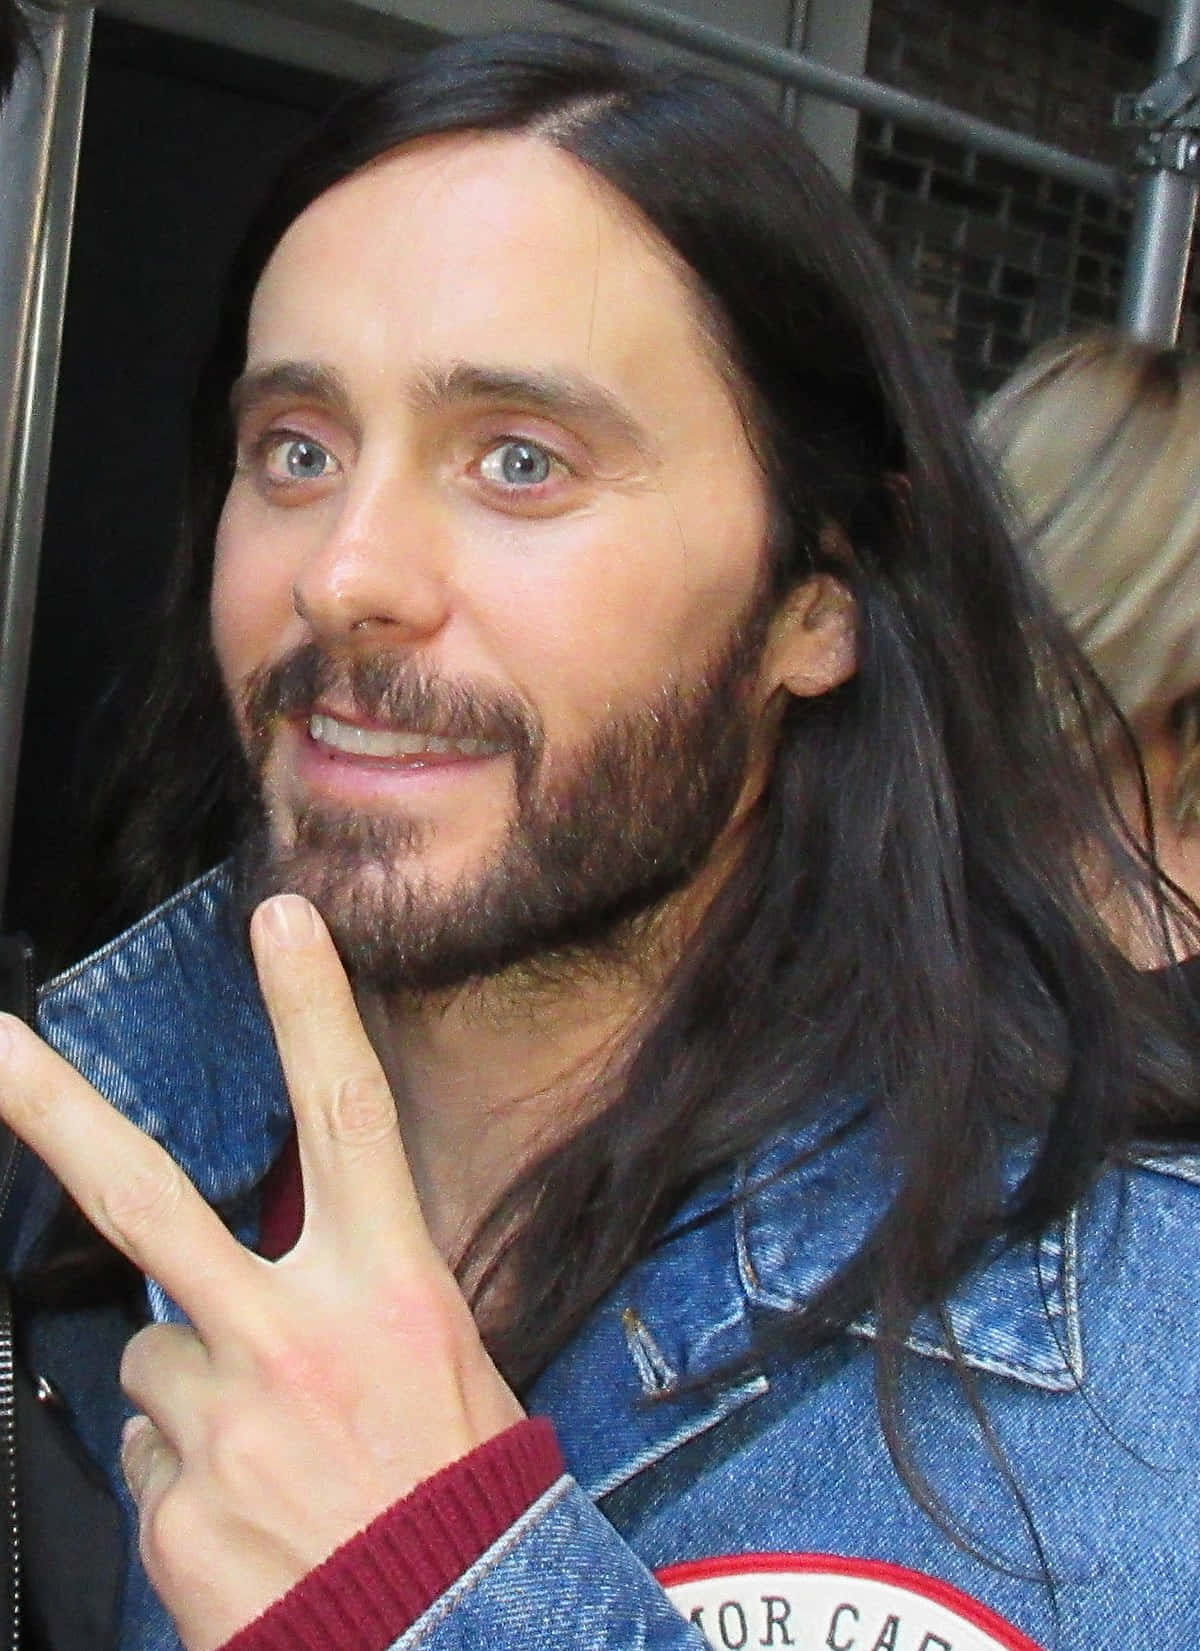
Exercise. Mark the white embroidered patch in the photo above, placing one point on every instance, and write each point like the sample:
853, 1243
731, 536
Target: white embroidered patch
820, 1602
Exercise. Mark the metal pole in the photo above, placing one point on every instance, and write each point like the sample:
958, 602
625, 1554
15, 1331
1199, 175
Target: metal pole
39, 158
789, 106
873, 97
1164, 211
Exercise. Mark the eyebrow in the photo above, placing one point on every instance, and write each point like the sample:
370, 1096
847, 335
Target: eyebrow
305, 379
565, 396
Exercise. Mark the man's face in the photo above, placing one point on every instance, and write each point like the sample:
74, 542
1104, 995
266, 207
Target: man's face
487, 596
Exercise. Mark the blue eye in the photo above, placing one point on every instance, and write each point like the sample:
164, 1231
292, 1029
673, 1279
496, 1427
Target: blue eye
282, 458
303, 459
517, 464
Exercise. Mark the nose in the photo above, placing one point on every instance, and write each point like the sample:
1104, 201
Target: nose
379, 569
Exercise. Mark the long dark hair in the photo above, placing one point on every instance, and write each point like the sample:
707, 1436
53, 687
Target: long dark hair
909, 922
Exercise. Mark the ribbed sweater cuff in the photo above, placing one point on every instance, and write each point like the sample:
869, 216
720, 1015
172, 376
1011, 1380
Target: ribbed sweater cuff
376, 1585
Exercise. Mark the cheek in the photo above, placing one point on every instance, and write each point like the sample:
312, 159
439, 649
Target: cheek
251, 605
603, 622
672, 585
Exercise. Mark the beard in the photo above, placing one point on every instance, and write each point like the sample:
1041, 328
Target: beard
590, 850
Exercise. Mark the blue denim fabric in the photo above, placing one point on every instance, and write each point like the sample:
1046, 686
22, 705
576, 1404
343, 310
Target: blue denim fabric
1084, 1353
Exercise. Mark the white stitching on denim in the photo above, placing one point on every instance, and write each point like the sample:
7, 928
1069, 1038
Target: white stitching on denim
483, 1566
993, 1364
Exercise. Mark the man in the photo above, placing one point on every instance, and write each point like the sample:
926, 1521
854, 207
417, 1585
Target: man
724, 1084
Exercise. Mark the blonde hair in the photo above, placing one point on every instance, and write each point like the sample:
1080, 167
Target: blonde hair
1098, 441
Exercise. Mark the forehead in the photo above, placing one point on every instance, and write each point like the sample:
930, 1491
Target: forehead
496, 249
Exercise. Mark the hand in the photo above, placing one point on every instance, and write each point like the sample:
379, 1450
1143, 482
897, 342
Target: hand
312, 1392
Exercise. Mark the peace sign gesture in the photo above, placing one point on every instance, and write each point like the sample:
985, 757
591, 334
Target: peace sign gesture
308, 1394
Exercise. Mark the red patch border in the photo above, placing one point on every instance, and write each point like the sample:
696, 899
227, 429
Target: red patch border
867, 1570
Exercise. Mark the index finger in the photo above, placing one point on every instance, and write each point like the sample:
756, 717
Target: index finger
132, 1192
357, 1183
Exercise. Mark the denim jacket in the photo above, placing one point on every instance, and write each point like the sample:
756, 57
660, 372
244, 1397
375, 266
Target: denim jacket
766, 1511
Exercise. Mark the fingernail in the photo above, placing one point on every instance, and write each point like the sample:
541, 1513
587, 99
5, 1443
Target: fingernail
290, 919
132, 1426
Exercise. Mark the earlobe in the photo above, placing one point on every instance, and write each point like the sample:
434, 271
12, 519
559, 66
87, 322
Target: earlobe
813, 645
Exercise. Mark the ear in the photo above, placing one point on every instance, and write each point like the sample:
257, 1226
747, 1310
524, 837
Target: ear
812, 645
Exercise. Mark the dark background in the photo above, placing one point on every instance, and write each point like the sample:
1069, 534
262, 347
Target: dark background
179, 141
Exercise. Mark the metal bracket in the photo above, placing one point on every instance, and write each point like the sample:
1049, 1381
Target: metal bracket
1168, 114
1170, 152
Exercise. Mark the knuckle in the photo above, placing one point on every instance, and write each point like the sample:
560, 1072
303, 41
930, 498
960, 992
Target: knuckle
140, 1199
362, 1111
34, 1095
27, 1102
427, 1317
149, 1353
292, 1366
235, 1451
135, 1362
166, 1531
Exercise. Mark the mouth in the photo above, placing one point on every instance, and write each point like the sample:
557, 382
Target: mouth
352, 739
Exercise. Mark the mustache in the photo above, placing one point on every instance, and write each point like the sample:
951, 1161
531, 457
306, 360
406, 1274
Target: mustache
391, 688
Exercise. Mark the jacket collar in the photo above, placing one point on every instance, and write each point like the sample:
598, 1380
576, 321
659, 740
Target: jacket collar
804, 1208
763, 1241
167, 1021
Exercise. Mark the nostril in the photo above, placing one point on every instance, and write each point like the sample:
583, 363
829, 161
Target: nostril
343, 594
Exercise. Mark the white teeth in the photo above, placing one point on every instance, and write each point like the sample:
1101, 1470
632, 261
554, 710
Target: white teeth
379, 742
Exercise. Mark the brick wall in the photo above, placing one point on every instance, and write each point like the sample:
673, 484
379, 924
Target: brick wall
998, 257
